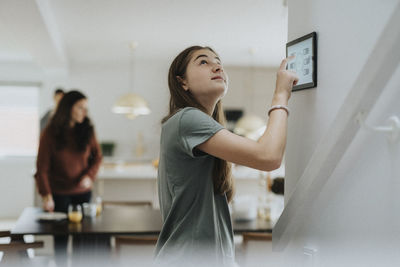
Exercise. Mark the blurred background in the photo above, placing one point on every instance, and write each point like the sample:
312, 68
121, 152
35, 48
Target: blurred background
108, 49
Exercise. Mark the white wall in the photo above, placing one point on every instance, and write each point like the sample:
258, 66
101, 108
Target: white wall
103, 83
347, 32
354, 220
250, 88
16, 185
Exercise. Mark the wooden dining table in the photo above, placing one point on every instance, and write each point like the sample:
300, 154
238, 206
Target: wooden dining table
114, 220
95, 233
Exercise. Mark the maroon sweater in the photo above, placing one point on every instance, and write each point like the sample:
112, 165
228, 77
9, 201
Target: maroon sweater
59, 171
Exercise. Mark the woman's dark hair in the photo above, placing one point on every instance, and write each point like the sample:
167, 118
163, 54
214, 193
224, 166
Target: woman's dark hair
59, 91
222, 178
60, 123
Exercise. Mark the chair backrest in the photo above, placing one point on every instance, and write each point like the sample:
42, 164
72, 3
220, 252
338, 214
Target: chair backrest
126, 240
5, 233
17, 243
135, 239
15, 246
257, 237
15, 250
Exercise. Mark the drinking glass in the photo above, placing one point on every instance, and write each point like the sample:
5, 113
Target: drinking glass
99, 206
75, 213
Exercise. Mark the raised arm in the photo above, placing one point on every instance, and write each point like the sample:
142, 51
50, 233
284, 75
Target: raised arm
266, 153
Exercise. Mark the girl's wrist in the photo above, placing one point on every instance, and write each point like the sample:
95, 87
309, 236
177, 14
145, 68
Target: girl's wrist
279, 99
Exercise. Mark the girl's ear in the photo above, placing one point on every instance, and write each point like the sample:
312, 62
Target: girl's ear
183, 83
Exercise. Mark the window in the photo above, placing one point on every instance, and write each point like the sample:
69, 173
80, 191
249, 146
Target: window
19, 120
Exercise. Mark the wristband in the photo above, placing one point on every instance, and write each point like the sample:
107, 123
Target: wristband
279, 107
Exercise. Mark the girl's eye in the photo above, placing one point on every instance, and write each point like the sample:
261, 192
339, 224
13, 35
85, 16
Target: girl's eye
203, 62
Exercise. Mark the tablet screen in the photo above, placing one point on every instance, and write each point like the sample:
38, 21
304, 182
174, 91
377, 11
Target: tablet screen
304, 63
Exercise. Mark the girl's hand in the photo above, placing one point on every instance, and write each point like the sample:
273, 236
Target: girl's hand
48, 203
285, 81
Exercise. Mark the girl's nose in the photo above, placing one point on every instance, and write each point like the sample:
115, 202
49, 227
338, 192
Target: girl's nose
217, 68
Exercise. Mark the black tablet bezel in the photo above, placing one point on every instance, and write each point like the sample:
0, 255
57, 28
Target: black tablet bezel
313, 84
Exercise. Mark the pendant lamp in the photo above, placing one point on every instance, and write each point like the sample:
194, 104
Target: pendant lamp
131, 104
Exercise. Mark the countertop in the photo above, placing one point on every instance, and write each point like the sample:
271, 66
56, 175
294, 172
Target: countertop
143, 170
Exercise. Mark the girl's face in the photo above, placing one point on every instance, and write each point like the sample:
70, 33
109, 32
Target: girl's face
205, 76
79, 111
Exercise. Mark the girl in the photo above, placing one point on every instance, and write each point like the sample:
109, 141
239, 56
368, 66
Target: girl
194, 178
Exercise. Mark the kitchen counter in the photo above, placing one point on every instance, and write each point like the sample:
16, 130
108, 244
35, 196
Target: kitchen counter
149, 171
137, 182
127, 171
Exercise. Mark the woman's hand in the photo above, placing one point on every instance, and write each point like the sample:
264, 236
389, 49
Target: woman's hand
86, 182
285, 81
48, 203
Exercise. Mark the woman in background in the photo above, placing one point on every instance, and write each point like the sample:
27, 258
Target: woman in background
68, 158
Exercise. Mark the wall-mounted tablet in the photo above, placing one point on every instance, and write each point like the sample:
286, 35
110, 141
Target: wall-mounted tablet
305, 62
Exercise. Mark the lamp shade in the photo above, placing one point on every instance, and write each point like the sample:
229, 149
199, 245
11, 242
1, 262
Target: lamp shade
132, 105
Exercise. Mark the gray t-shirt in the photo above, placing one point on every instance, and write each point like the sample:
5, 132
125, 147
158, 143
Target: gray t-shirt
197, 224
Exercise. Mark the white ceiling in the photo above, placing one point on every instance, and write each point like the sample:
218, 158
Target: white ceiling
56, 33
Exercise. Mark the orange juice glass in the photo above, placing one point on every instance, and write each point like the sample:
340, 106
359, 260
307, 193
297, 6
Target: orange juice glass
75, 213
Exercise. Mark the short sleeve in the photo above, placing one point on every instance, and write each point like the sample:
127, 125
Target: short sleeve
196, 127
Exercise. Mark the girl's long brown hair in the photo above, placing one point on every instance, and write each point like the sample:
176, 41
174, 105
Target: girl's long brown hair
222, 178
